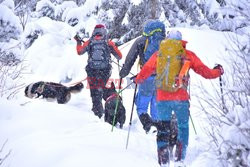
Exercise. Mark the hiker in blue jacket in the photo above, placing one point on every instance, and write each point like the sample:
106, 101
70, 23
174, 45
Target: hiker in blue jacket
144, 47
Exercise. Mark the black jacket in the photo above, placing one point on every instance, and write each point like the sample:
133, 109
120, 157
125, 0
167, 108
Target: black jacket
136, 50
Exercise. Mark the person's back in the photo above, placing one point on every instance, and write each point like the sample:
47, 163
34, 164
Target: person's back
99, 66
144, 47
176, 100
99, 52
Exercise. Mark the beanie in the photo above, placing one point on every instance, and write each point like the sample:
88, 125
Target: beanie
99, 26
174, 34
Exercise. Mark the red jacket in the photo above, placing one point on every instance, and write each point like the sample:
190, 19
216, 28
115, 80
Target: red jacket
81, 49
181, 94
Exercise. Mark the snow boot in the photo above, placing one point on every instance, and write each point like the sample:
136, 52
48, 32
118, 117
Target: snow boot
178, 151
146, 121
98, 110
163, 137
163, 156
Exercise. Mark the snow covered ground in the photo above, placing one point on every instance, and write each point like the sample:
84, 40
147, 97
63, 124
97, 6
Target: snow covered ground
42, 133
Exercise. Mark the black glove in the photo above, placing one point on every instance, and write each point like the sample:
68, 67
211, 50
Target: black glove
78, 39
123, 73
133, 78
219, 67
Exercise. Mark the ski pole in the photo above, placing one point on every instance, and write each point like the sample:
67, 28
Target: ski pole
221, 90
125, 88
190, 114
116, 105
118, 65
130, 121
193, 124
121, 66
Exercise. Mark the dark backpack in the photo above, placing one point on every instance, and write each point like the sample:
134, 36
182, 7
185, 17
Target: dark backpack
99, 53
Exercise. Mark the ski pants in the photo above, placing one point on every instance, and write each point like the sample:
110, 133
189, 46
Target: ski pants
97, 79
147, 95
181, 109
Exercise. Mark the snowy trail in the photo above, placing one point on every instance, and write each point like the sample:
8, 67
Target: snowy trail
42, 133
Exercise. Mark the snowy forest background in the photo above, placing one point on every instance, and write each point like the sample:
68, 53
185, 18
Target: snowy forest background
124, 20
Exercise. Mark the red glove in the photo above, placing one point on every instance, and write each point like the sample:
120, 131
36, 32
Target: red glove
220, 68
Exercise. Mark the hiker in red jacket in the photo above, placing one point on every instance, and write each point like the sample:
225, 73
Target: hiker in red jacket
98, 69
177, 101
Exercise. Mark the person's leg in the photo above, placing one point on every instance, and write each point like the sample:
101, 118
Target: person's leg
164, 110
181, 109
143, 98
95, 92
142, 103
153, 108
96, 96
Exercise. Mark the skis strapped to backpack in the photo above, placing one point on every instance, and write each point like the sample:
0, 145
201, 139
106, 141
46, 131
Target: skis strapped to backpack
172, 66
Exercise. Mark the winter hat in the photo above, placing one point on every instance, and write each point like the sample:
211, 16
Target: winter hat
99, 26
100, 30
174, 34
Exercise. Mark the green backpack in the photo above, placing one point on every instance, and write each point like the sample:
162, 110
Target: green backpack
172, 65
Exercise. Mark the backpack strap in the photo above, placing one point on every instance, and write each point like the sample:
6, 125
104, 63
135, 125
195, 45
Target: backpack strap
152, 32
146, 45
183, 73
165, 73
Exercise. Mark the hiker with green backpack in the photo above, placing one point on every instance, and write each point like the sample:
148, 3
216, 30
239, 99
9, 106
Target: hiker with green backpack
144, 47
171, 64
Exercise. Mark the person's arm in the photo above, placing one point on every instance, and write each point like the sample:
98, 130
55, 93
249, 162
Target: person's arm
200, 68
148, 69
114, 50
81, 49
131, 57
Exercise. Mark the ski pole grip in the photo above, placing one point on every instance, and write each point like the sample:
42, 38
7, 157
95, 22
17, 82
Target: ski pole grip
133, 78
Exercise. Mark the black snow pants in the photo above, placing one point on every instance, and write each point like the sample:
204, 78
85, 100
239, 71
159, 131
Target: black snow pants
97, 79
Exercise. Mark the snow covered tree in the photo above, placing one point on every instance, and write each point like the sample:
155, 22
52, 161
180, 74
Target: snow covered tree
10, 30
117, 10
183, 12
31, 37
9, 24
62, 9
23, 9
153, 9
80, 2
134, 19
230, 119
45, 8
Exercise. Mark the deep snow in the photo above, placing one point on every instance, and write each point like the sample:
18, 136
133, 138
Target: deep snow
42, 133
